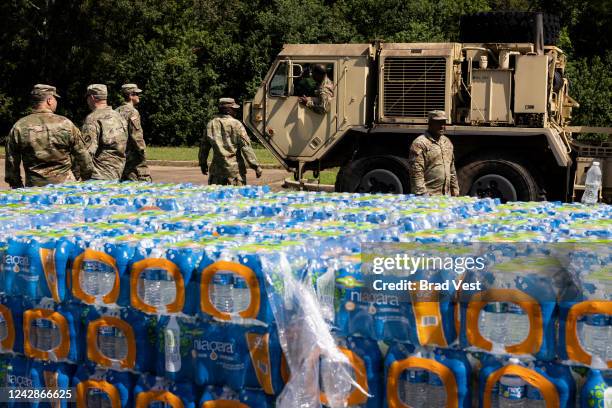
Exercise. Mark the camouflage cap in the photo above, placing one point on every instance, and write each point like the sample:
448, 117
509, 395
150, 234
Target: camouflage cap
130, 88
437, 115
228, 102
44, 90
99, 90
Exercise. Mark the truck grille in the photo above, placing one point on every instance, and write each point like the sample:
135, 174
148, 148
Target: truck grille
414, 86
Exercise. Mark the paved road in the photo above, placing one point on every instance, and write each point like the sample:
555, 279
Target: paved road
273, 177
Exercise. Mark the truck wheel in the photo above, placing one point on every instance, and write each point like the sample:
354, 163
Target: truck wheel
378, 174
495, 177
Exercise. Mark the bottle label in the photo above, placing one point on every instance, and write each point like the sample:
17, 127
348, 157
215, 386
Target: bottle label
512, 392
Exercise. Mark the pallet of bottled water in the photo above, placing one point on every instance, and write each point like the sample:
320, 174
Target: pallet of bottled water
176, 295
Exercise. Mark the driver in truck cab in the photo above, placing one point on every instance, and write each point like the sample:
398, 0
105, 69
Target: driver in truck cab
324, 92
432, 160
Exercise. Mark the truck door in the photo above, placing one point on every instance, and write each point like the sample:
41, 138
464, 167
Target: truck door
294, 131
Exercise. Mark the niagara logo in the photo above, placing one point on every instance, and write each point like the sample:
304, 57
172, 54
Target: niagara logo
18, 262
214, 348
375, 298
19, 381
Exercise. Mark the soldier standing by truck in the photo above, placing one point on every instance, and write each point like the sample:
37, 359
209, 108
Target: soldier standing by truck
232, 150
46, 143
432, 161
136, 163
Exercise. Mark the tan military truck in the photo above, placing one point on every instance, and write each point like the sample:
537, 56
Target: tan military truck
507, 103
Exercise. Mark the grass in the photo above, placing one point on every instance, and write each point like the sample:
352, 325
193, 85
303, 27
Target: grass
327, 176
191, 154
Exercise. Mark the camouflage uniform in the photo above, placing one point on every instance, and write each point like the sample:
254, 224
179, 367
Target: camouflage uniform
47, 144
321, 102
106, 135
136, 163
432, 166
232, 151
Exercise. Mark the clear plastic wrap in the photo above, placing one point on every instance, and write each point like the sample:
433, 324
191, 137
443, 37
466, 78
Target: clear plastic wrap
315, 363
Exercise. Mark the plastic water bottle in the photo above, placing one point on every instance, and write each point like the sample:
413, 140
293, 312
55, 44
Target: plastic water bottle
156, 287
436, 392
534, 398
596, 333
512, 392
413, 388
517, 324
241, 294
592, 185
221, 296
492, 322
172, 341
96, 278
112, 343
44, 335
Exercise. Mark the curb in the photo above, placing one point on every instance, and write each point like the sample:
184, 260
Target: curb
193, 163
291, 183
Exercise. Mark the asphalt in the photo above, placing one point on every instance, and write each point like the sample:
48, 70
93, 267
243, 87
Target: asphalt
171, 174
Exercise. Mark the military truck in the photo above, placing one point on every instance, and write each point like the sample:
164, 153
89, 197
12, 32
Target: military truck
507, 102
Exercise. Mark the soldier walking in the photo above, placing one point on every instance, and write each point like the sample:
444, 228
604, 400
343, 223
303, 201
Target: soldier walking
46, 143
231, 147
136, 163
432, 161
105, 134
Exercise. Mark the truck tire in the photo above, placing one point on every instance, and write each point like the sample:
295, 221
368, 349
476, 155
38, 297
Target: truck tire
507, 27
490, 175
376, 174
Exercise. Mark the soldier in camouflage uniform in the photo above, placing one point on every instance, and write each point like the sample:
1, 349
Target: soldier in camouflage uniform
231, 148
321, 102
136, 163
46, 143
105, 134
432, 161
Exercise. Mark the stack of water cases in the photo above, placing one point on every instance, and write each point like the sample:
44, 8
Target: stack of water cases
165, 295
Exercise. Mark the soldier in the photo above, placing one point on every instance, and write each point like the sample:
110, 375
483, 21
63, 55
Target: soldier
47, 144
105, 134
432, 162
136, 163
231, 147
321, 102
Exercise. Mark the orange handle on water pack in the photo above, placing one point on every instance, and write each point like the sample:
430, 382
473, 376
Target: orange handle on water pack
62, 350
356, 397
157, 263
445, 374
91, 255
93, 352
574, 349
107, 388
144, 399
531, 344
246, 273
9, 341
533, 378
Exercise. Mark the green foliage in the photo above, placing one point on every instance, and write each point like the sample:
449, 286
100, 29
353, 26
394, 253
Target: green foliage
186, 54
591, 85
